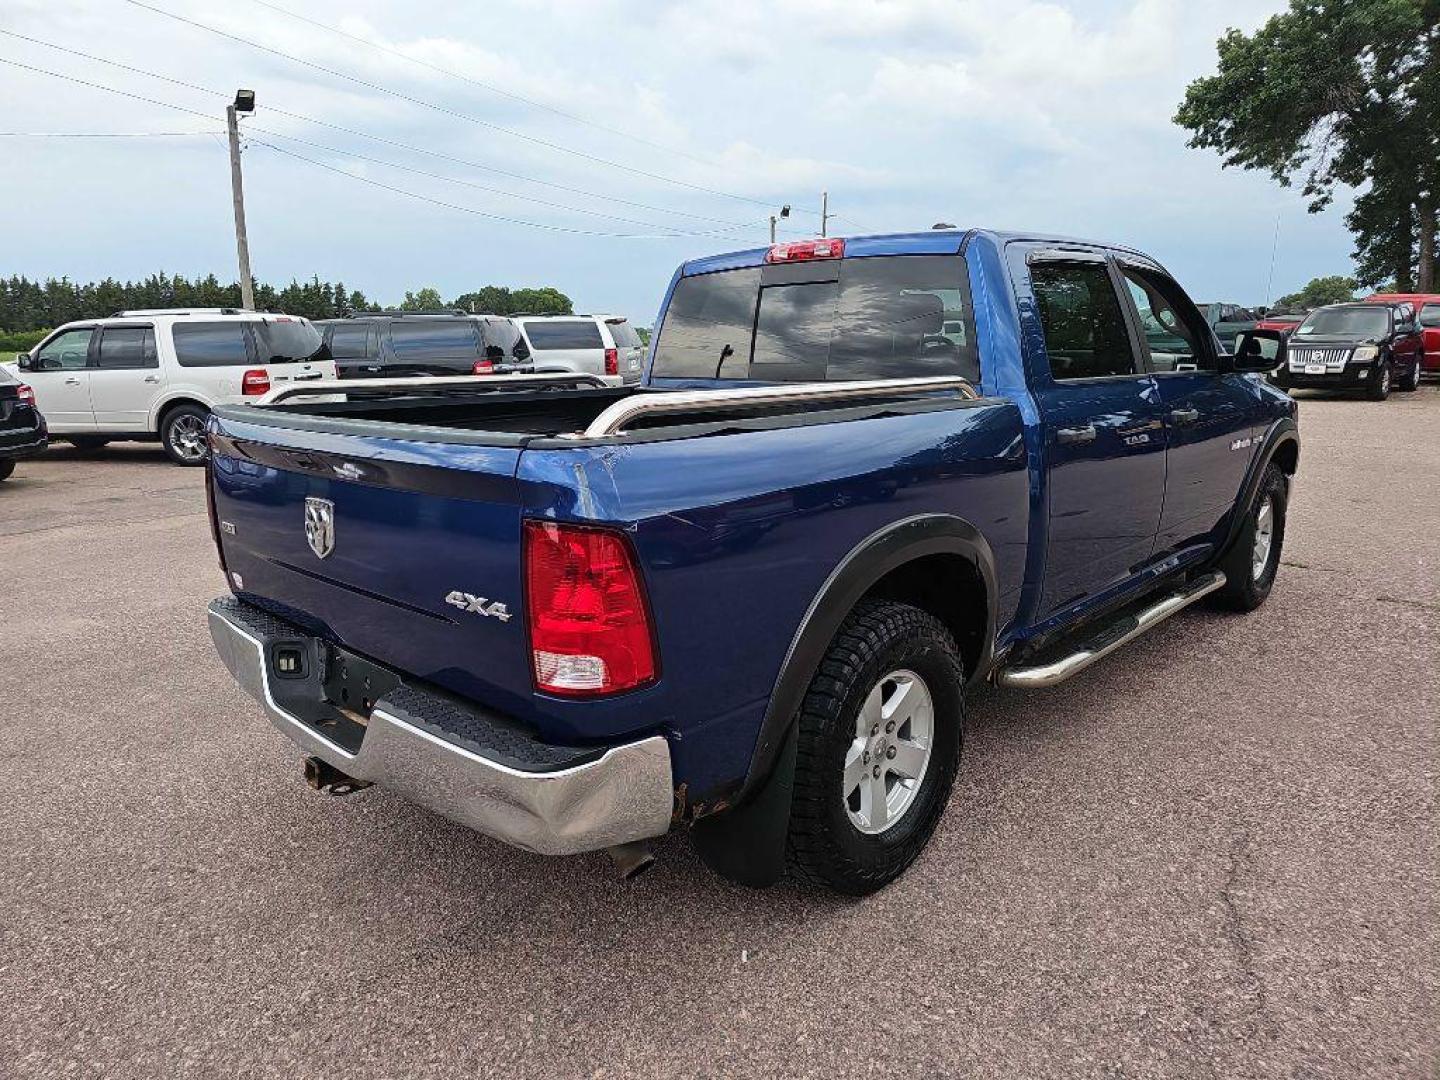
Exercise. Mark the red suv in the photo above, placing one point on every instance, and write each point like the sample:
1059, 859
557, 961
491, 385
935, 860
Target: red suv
1427, 309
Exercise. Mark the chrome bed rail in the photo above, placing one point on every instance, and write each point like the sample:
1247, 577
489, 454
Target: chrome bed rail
618, 416
378, 387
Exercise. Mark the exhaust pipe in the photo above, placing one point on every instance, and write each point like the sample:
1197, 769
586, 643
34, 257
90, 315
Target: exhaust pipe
322, 776
631, 859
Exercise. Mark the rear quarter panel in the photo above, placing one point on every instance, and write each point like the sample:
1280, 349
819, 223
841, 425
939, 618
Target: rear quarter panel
736, 535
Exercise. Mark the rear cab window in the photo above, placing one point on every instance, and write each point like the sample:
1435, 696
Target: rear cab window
564, 334
884, 316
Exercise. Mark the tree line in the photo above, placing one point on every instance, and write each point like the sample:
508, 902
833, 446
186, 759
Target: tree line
27, 305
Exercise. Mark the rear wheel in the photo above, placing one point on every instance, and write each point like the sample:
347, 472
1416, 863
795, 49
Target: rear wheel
182, 433
1411, 379
88, 444
1380, 386
7, 466
1254, 559
879, 743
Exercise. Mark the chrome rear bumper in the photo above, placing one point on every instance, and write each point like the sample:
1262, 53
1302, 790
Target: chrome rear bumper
622, 795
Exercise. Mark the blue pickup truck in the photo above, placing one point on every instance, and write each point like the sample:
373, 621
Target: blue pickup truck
750, 595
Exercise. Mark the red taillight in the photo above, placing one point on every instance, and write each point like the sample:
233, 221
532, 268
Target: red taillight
612, 361
585, 604
27, 395
483, 367
255, 382
805, 250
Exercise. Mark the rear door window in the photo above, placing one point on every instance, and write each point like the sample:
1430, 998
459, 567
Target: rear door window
1085, 333
123, 347
216, 344
1430, 315
433, 339
564, 334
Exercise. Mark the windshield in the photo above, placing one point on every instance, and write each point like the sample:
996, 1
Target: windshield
875, 317
289, 342
1351, 322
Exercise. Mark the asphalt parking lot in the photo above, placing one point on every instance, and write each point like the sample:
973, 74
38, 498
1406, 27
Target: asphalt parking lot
1214, 854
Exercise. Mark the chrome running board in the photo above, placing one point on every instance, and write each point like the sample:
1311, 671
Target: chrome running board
1109, 637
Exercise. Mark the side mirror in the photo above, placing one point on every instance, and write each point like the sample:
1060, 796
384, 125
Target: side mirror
1255, 351
23, 361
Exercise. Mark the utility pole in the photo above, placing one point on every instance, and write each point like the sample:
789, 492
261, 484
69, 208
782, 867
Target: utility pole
824, 213
244, 102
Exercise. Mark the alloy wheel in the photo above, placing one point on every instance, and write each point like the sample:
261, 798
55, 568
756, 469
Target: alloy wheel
886, 762
1264, 538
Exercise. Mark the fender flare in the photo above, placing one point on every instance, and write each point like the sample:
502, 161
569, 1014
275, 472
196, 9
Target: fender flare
1284, 430
747, 842
165, 403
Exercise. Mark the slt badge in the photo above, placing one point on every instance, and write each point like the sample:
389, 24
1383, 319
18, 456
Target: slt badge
320, 525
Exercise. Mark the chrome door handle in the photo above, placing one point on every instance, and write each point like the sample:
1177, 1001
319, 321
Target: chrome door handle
1184, 416
72, 381
152, 378
1074, 435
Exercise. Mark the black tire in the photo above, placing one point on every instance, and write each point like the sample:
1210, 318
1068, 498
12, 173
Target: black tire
88, 444
1379, 388
1245, 587
177, 430
1410, 381
824, 846
7, 466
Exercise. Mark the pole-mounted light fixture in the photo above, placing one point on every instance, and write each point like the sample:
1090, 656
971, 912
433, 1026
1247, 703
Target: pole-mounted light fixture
244, 101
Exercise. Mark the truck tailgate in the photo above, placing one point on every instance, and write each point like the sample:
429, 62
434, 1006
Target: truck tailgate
362, 539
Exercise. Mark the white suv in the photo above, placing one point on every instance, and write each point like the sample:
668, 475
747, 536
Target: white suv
599, 344
144, 374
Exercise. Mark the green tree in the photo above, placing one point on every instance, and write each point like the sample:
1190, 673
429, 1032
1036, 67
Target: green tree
1337, 92
423, 300
1320, 291
546, 301
488, 300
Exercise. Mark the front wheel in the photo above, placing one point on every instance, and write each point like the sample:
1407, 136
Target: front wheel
878, 746
1254, 559
1411, 379
182, 433
1380, 385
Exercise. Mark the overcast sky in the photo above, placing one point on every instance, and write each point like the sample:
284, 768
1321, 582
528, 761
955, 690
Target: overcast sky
662, 122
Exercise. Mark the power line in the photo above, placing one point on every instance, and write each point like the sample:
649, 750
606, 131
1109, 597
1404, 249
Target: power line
491, 87
99, 134
467, 209
466, 183
366, 180
356, 132
444, 110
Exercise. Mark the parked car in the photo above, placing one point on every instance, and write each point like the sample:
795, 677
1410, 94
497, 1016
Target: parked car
598, 344
585, 615
1427, 307
1362, 345
1228, 321
22, 429
143, 375
1282, 321
395, 344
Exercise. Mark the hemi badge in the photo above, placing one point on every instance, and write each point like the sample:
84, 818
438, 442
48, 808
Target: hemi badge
228, 528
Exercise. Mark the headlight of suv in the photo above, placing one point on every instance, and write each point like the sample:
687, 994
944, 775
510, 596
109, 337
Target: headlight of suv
1363, 353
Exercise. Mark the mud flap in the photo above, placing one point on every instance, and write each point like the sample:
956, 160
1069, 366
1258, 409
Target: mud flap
747, 844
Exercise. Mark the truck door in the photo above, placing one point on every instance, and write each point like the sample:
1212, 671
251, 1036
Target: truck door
1102, 422
1209, 417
